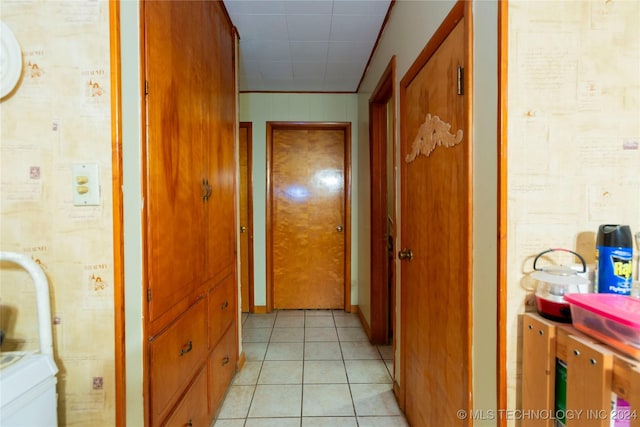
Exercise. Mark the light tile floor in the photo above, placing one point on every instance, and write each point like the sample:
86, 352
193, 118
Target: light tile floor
310, 368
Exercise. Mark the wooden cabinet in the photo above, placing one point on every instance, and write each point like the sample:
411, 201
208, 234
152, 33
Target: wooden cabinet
190, 210
592, 372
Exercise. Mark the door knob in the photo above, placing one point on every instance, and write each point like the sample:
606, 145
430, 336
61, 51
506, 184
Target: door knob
405, 254
339, 228
243, 228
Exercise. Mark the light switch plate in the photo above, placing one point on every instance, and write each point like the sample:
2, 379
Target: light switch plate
85, 184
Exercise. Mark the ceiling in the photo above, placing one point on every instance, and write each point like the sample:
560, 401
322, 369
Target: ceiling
305, 45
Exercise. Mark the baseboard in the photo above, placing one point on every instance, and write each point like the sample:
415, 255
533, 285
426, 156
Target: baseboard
365, 325
354, 309
241, 360
260, 309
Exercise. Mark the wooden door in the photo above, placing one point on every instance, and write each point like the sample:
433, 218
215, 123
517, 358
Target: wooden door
308, 217
246, 222
174, 145
436, 233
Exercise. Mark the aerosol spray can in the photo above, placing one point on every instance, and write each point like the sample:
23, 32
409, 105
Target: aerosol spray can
614, 255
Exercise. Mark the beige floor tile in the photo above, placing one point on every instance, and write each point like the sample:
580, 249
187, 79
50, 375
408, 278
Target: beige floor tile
229, 423
359, 350
283, 313
322, 351
285, 351
310, 313
237, 401
276, 401
320, 334
326, 400
249, 374
389, 364
256, 334
386, 351
281, 372
319, 322
287, 335
329, 422
273, 422
324, 372
374, 399
352, 334
290, 321
254, 351
348, 321
398, 421
367, 372
259, 321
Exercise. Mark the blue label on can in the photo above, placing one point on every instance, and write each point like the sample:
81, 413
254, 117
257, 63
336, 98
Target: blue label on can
614, 270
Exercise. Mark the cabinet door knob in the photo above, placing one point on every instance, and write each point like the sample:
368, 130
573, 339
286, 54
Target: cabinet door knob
186, 348
225, 360
405, 254
190, 423
224, 305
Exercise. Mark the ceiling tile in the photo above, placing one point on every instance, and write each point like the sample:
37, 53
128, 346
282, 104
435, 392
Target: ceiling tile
349, 51
261, 27
355, 28
277, 50
276, 70
360, 7
308, 27
308, 70
235, 7
308, 7
309, 51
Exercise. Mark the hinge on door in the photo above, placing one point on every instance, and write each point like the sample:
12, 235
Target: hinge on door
146, 87
460, 80
148, 294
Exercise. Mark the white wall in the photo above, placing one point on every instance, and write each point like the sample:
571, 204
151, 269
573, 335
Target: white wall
260, 108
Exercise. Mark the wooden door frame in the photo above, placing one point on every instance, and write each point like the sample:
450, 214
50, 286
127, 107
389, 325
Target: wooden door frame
249, 127
378, 132
276, 125
462, 9
118, 215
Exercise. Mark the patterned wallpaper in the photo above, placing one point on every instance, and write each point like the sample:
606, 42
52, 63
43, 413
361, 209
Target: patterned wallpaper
59, 116
573, 136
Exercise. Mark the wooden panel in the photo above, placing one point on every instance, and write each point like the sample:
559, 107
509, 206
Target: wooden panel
308, 207
538, 372
589, 372
436, 227
174, 357
219, 123
221, 309
222, 367
174, 146
634, 396
192, 409
246, 217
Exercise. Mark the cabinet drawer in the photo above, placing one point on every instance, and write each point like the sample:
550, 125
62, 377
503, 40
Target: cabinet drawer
192, 409
222, 309
222, 367
174, 357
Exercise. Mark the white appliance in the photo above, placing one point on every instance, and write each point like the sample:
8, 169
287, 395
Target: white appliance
28, 395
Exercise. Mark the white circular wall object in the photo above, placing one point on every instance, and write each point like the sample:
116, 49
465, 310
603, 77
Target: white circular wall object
10, 61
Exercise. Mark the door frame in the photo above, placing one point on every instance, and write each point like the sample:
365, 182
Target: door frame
276, 125
378, 161
250, 283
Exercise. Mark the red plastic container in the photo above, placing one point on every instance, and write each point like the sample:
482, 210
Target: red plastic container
610, 318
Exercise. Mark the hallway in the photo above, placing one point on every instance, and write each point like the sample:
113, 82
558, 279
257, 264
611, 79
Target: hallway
310, 368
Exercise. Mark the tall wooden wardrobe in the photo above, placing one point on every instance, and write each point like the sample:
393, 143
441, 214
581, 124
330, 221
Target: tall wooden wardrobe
190, 231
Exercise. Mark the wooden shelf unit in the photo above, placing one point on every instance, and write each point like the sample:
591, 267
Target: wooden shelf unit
594, 371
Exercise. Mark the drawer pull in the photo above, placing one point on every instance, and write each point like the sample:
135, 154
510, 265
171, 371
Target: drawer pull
224, 305
186, 348
225, 360
190, 423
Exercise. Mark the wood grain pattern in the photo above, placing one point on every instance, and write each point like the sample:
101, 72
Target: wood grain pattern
308, 204
246, 216
436, 226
